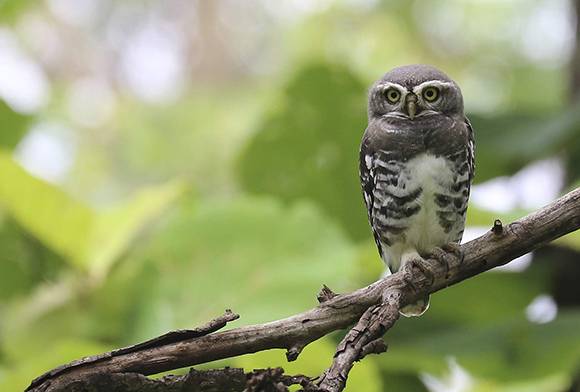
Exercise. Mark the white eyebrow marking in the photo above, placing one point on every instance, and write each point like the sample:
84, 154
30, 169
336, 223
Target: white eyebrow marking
386, 85
436, 83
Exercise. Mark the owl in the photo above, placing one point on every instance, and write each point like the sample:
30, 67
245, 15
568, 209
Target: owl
416, 168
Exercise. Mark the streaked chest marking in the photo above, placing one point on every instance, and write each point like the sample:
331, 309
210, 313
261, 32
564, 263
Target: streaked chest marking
417, 204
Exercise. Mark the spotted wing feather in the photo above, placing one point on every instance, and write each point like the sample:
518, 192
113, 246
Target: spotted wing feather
367, 179
389, 204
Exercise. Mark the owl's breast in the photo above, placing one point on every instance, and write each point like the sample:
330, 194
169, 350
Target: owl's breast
435, 175
422, 209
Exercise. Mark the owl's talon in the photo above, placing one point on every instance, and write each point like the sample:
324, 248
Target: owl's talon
455, 249
421, 266
441, 256
447, 255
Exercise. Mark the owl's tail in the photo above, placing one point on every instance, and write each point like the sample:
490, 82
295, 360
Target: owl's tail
416, 309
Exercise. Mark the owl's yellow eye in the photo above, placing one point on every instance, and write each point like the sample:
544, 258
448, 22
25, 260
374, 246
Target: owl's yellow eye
430, 94
393, 95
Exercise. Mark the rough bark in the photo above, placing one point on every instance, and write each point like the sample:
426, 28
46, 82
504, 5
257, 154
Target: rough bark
377, 303
214, 380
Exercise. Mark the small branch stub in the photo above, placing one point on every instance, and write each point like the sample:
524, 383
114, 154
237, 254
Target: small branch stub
293, 352
497, 228
274, 380
325, 294
377, 346
266, 380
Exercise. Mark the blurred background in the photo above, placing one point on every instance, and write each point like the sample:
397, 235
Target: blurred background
161, 161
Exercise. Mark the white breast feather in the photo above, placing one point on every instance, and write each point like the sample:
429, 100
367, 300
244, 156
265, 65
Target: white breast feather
434, 175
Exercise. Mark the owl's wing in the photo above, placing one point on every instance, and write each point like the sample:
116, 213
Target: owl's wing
470, 150
462, 187
367, 180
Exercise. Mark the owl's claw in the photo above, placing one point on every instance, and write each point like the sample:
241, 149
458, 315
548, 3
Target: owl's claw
455, 249
447, 255
421, 266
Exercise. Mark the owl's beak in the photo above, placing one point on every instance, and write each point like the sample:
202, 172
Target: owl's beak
411, 102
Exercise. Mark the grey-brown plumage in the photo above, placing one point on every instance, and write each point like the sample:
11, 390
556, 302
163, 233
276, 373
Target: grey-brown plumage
416, 165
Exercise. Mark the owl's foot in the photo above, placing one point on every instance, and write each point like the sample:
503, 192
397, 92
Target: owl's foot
455, 249
419, 264
447, 255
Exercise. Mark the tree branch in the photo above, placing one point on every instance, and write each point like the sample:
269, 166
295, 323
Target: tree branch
377, 303
365, 337
214, 380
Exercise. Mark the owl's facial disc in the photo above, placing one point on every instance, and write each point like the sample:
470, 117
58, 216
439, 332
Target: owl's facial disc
414, 92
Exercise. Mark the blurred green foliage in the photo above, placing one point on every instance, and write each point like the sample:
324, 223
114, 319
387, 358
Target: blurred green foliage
545, 135
307, 148
244, 193
87, 239
16, 125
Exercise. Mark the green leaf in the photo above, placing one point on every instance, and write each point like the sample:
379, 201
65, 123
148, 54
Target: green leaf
307, 148
116, 227
59, 221
24, 262
89, 240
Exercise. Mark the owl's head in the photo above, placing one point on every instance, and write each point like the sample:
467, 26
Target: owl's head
414, 91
